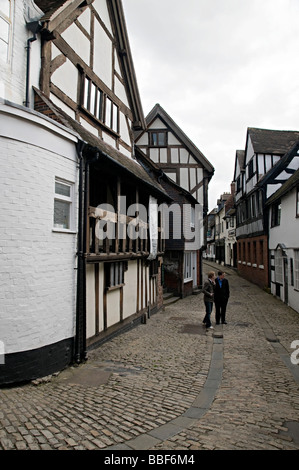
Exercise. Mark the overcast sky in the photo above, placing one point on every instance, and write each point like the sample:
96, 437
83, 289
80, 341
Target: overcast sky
218, 67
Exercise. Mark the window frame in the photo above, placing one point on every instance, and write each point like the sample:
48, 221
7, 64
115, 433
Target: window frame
158, 132
188, 266
276, 214
115, 274
98, 105
64, 199
8, 21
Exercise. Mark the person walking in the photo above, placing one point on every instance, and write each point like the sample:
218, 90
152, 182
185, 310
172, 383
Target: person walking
221, 296
208, 290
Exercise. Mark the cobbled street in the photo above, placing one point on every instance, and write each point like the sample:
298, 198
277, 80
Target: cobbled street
170, 385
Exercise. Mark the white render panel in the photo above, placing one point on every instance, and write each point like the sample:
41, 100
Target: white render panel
78, 42
102, 55
101, 8
130, 290
84, 20
163, 155
294, 164
261, 169
124, 131
184, 155
184, 178
60, 104
143, 140
199, 175
172, 140
158, 124
66, 78
192, 160
154, 155
192, 178
37, 270
172, 176
93, 130
272, 188
121, 92
113, 307
174, 152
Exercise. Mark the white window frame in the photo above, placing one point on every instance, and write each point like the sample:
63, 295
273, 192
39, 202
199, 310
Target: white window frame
188, 266
66, 199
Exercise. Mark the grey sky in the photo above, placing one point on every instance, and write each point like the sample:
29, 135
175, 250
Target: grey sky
218, 67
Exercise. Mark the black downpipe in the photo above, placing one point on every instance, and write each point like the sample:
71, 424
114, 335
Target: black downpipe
34, 27
80, 338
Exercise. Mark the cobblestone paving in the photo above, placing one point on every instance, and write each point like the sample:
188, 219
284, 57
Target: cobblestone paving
140, 389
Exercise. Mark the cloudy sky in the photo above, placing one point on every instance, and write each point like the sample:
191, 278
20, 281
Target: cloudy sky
218, 67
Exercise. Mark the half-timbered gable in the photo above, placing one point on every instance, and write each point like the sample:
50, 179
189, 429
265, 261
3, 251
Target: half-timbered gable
169, 147
87, 69
187, 174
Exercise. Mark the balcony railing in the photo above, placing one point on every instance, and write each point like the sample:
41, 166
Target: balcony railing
115, 233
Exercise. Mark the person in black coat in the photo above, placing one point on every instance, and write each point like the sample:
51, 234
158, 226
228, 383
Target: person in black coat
221, 296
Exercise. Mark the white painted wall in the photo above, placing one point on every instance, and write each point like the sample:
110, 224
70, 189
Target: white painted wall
37, 264
13, 71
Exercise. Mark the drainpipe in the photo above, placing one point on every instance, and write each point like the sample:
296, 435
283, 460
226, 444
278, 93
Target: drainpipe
80, 336
34, 27
80, 353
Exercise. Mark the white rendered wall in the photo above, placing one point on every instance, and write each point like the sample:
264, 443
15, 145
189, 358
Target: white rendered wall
37, 275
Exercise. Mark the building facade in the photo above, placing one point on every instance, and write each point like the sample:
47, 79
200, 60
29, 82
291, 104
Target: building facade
264, 150
184, 174
78, 264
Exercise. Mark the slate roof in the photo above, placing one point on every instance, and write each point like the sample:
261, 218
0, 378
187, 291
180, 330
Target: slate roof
271, 141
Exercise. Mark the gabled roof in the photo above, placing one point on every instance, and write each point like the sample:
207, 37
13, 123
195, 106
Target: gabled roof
159, 112
271, 141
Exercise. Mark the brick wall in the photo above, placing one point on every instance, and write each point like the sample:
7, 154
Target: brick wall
252, 260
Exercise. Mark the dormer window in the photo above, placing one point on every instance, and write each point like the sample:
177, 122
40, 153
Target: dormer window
158, 138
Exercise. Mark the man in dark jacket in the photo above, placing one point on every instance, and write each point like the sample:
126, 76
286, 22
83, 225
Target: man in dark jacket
221, 296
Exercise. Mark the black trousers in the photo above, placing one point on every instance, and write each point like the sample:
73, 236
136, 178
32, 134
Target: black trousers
220, 311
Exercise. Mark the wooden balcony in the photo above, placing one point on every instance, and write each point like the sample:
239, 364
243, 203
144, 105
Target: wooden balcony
112, 235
